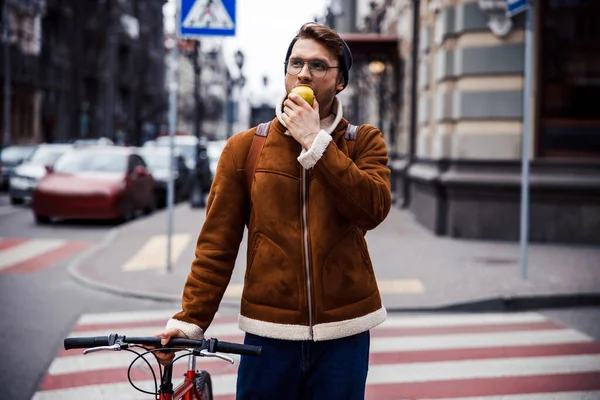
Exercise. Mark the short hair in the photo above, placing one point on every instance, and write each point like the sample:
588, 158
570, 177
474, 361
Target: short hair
324, 35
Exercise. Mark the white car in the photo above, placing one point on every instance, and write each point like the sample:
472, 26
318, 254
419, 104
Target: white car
26, 175
214, 149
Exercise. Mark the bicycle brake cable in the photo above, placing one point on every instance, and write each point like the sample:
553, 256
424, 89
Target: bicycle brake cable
142, 356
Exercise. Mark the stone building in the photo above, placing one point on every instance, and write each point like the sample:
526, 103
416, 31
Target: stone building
458, 145
99, 70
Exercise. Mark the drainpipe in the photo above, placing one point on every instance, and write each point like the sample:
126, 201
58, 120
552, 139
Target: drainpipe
412, 145
5, 39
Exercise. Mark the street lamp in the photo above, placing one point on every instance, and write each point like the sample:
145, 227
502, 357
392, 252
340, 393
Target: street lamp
191, 49
232, 83
376, 67
239, 59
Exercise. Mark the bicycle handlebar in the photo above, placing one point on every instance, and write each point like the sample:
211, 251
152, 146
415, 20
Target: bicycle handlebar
215, 346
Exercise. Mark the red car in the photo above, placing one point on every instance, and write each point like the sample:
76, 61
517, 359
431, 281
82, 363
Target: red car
95, 183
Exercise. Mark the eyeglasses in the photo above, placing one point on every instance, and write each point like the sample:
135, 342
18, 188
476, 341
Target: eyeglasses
317, 68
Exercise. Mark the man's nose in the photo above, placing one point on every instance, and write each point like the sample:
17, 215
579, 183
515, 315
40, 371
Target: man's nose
305, 72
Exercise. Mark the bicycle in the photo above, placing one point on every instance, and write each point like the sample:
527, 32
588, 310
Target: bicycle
196, 385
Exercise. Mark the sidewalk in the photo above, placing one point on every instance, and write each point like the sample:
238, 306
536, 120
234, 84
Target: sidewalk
417, 270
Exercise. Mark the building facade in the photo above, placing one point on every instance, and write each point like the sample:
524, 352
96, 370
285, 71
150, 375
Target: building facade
20, 66
99, 70
459, 143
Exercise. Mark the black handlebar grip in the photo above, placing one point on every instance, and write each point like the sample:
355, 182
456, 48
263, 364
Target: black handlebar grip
85, 342
236, 348
155, 342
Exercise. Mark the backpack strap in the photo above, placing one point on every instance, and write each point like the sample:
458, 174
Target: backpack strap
350, 136
258, 141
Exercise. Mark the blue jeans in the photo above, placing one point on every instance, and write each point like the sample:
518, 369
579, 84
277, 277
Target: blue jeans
288, 370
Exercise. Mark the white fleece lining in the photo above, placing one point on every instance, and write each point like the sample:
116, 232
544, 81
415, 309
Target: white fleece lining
310, 157
340, 329
273, 330
191, 331
328, 331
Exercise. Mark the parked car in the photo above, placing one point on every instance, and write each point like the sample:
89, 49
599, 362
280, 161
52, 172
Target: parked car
26, 175
196, 158
108, 182
186, 145
100, 141
214, 148
10, 157
157, 159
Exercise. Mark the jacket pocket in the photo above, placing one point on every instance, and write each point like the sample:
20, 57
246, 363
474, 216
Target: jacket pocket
364, 253
347, 276
270, 280
256, 243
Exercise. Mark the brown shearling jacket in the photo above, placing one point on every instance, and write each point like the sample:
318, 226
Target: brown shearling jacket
309, 274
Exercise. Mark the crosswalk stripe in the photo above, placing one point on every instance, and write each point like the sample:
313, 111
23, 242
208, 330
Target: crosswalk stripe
469, 369
406, 343
27, 250
223, 329
591, 395
105, 360
153, 254
412, 356
46, 259
126, 316
222, 384
482, 387
225, 384
6, 243
467, 341
427, 320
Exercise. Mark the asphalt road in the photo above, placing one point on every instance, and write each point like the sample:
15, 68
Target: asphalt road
39, 309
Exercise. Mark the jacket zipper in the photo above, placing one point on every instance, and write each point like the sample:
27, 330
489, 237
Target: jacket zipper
307, 262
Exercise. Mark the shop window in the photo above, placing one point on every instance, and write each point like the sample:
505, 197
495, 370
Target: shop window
569, 69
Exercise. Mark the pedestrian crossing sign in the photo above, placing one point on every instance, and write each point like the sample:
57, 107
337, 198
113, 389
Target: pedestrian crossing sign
206, 18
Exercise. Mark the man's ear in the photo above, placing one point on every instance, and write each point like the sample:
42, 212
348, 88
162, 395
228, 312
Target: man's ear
340, 83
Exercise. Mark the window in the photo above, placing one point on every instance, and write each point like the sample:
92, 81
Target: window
569, 70
84, 161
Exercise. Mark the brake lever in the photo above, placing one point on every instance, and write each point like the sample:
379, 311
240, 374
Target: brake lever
206, 353
114, 347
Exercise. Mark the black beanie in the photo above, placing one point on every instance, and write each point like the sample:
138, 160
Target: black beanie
346, 60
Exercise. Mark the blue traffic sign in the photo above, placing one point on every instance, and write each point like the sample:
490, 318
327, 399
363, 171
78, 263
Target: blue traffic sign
514, 7
206, 18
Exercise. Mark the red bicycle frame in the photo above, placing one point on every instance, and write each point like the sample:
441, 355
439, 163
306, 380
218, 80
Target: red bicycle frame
186, 390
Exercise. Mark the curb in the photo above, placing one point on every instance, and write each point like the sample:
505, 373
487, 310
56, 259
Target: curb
514, 304
75, 263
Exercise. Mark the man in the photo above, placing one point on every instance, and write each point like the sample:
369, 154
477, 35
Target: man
310, 296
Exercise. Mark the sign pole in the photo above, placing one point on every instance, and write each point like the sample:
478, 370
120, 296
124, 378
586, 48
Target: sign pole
193, 19
525, 149
173, 87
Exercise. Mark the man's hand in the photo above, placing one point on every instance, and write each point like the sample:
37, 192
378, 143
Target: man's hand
166, 357
301, 119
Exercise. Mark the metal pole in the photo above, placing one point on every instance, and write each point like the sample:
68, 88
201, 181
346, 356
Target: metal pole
414, 71
197, 71
173, 87
525, 141
111, 44
229, 105
6, 135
